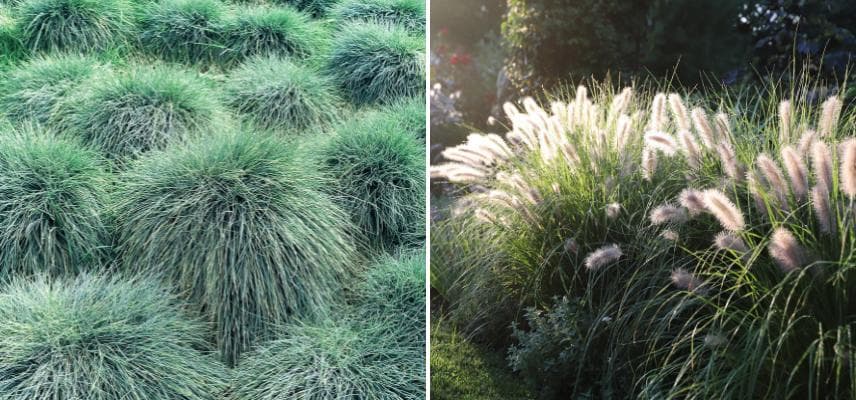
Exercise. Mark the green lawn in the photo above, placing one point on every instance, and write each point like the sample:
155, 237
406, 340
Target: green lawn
461, 370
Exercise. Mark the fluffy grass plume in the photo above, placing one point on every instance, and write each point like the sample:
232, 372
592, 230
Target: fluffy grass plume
73, 25
186, 31
33, 91
394, 289
264, 30
274, 93
141, 109
380, 179
375, 63
238, 223
343, 360
51, 202
407, 13
100, 338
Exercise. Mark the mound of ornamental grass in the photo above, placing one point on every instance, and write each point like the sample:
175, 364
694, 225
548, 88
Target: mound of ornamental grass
327, 360
238, 223
35, 90
315, 8
407, 13
377, 63
183, 31
74, 25
407, 113
141, 109
394, 289
272, 31
52, 196
380, 179
274, 93
95, 338
10, 46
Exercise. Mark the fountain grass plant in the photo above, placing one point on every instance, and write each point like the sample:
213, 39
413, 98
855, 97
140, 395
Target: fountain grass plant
407, 13
140, 109
271, 31
35, 90
52, 199
377, 63
328, 360
278, 94
99, 338
74, 25
183, 31
379, 179
237, 222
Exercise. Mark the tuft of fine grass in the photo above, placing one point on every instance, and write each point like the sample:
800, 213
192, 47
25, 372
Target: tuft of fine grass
394, 289
74, 25
276, 93
315, 8
11, 48
238, 223
274, 31
327, 360
407, 13
99, 338
184, 31
380, 179
408, 114
377, 63
52, 196
35, 90
141, 109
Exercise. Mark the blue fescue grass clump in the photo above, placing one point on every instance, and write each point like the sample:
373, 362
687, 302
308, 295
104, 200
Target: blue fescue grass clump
315, 8
99, 338
276, 31
408, 114
34, 91
394, 289
380, 179
274, 93
407, 13
327, 360
74, 25
184, 31
239, 224
377, 63
11, 47
141, 109
52, 196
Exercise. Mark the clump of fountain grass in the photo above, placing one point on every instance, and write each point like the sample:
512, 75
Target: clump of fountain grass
184, 31
52, 196
275, 31
394, 289
99, 338
407, 13
74, 25
274, 93
239, 224
377, 63
35, 90
380, 179
141, 109
327, 360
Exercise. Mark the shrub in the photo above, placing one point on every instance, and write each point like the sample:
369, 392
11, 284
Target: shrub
94, 337
73, 25
377, 64
407, 13
51, 203
279, 94
185, 31
315, 8
236, 222
141, 109
273, 31
379, 172
333, 361
35, 90
394, 289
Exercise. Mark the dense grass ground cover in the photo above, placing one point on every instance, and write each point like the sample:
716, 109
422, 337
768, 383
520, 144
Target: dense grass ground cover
647, 244
165, 233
